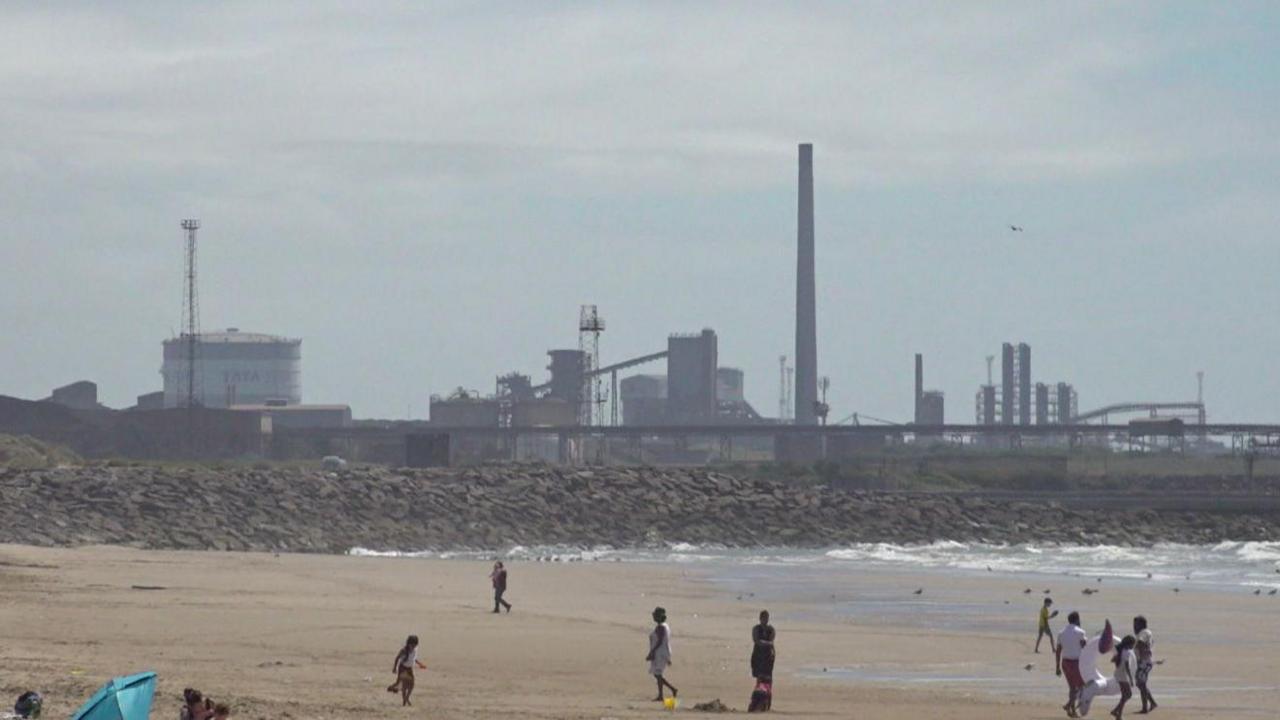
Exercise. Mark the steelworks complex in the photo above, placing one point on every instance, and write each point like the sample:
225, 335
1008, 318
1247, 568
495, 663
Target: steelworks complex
256, 375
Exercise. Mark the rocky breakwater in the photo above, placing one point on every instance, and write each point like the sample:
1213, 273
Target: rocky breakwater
499, 506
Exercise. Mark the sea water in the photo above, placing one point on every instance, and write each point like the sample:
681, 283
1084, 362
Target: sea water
1219, 566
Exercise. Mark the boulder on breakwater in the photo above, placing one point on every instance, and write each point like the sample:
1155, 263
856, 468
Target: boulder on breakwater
173, 507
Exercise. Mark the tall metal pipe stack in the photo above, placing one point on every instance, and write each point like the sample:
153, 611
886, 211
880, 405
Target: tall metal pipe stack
919, 384
1007, 385
806, 387
1024, 384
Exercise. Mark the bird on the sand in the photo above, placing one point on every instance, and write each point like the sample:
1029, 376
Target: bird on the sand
919, 591
1273, 591
1088, 591
989, 569
1028, 666
1148, 576
1177, 590
1258, 591
1159, 662
1046, 592
1027, 591
1015, 228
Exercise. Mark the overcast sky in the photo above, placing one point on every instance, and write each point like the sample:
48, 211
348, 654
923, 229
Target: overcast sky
426, 192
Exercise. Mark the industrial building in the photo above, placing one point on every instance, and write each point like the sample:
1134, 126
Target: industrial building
645, 403
233, 368
462, 408
150, 401
568, 370
930, 404
81, 395
1067, 407
1017, 401
692, 364
694, 391
644, 399
730, 385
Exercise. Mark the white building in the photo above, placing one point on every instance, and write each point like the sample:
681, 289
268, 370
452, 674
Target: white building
234, 368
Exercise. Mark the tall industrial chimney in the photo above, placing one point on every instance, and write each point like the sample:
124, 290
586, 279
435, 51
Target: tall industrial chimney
1024, 384
919, 384
806, 321
1008, 384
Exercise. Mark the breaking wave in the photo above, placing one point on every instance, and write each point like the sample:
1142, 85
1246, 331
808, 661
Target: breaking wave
1227, 563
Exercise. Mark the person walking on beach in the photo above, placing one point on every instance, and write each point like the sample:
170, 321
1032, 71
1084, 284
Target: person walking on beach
406, 660
763, 655
1066, 660
659, 657
1126, 671
1146, 661
1045, 631
499, 579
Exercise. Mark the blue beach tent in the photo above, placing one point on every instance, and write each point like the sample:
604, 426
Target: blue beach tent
122, 698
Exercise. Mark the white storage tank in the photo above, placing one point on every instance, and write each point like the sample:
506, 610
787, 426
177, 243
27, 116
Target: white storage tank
235, 368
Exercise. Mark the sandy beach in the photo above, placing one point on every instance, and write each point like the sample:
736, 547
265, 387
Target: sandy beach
314, 636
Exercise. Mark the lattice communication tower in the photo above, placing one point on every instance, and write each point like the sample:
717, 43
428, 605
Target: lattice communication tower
590, 325
191, 314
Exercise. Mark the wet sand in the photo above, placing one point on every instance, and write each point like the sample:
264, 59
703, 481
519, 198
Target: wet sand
310, 636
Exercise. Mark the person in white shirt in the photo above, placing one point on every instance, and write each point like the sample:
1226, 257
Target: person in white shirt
406, 661
1066, 657
1126, 672
659, 656
1146, 661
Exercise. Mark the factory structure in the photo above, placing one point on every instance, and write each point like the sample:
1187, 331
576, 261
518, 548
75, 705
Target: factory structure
583, 399
248, 372
694, 390
241, 371
1016, 400
233, 368
229, 392
930, 404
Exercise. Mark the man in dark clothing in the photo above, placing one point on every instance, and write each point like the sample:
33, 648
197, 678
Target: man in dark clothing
499, 578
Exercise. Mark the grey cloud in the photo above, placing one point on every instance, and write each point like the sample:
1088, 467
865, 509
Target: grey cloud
467, 174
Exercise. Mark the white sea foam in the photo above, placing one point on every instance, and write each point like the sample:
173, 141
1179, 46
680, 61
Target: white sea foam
1228, 563
1260, 552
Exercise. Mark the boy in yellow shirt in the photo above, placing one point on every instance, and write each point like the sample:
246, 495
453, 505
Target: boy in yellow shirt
1044, 631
